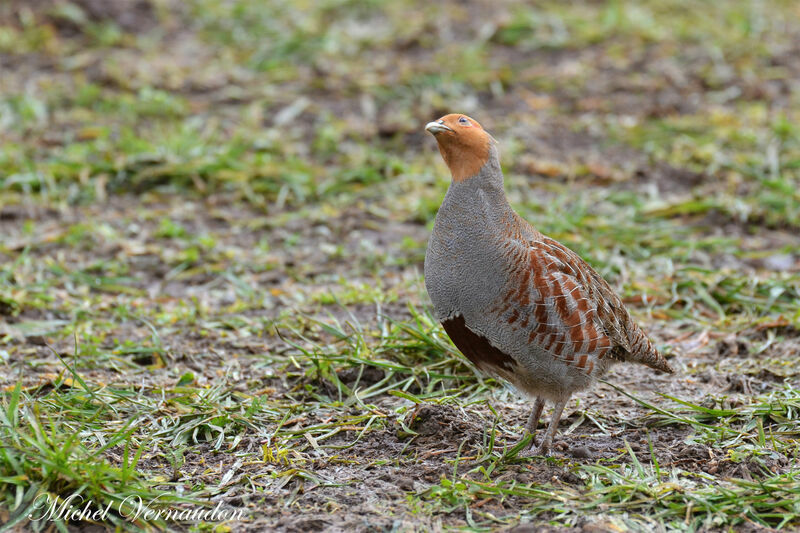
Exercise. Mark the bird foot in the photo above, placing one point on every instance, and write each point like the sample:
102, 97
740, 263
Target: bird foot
535, 450
544, 449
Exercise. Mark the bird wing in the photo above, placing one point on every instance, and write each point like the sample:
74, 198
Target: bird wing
572, 312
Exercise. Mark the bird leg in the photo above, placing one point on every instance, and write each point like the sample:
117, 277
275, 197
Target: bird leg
533, 420
544, 449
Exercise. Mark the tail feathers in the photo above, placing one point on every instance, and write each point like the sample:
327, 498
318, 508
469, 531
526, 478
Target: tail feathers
642, 351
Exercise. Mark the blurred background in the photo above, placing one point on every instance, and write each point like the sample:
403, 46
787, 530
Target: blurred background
645, 135
180, 180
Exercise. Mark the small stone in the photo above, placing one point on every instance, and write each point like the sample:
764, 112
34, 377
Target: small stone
581, 452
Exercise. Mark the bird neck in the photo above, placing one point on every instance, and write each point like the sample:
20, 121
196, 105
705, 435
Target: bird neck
482, 195
488, 178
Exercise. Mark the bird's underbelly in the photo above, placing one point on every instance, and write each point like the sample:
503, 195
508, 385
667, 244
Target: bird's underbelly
528, 367
466, 304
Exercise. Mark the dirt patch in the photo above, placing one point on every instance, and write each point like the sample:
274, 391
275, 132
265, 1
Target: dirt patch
554, 149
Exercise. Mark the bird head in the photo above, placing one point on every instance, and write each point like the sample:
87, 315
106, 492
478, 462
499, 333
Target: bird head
465, 146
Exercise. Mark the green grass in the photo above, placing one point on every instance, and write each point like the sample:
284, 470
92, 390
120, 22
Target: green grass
212, 226
54, 454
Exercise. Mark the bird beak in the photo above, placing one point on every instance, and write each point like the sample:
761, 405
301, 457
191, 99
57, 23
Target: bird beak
436, 127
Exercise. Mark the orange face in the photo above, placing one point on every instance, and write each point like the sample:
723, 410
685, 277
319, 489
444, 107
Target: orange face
463, 143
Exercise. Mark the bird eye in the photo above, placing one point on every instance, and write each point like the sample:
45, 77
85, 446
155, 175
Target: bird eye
463, 121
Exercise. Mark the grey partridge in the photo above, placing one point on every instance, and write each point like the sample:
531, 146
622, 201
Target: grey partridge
519, 305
